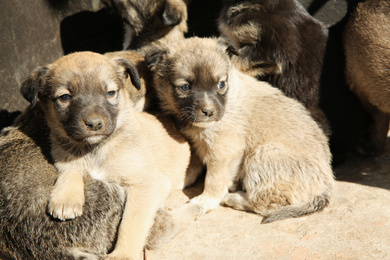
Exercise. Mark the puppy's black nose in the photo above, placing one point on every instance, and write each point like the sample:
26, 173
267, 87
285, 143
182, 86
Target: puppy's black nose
208, 111
94, 124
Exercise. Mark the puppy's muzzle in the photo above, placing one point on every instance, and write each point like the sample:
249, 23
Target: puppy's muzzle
93, 123
207, 111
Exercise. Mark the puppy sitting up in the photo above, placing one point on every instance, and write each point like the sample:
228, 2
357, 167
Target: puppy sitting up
96, 131
253, 139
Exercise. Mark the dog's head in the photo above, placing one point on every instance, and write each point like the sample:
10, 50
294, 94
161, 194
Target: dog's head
150, 20
191, 79
82, 95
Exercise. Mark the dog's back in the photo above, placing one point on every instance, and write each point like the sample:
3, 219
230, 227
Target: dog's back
26, 179
279, 42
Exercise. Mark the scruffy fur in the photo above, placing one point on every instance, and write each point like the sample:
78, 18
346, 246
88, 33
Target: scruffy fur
152, 21
279, 42
250, 136
130, 150
367, 52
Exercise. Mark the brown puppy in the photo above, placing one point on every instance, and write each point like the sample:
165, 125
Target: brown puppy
27, 177
149, 21
248, 134
143, 98
279, 42
367, 52
96, 131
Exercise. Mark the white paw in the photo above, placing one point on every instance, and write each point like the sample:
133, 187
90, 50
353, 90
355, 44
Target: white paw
65, 208
207, 203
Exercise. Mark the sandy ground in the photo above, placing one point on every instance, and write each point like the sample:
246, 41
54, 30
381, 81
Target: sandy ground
355, 226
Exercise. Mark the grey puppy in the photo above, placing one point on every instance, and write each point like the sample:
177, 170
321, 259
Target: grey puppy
252, 139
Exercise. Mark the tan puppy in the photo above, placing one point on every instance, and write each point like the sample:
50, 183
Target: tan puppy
248, 134
152, 21
96, 131
367, 52
143, 98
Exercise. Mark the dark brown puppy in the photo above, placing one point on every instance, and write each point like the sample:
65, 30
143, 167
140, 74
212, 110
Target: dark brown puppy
279, 42
149, 21
367, 52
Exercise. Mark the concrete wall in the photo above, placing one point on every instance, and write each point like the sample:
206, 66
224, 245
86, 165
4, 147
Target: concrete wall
30, 36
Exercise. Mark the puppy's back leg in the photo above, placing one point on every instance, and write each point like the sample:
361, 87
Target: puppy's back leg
281, 185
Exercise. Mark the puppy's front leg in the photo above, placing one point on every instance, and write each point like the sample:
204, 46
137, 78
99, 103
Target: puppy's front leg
143, 201
219, 176
67, 197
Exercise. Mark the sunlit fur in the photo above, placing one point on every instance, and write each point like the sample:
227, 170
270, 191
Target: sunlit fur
265, 146
138, 151
367, 52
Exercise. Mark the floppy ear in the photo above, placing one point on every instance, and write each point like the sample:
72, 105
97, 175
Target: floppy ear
172, 14
130, 70
154, 57
31, 86
228, 45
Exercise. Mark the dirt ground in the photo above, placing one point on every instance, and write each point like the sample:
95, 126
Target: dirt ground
355, 226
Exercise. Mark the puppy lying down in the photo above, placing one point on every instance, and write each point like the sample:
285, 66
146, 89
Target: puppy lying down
83, 134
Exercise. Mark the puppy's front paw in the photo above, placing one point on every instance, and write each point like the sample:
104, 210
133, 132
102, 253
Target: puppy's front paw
207, 203
65, 207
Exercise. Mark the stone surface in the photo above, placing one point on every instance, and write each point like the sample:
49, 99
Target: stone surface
355, 226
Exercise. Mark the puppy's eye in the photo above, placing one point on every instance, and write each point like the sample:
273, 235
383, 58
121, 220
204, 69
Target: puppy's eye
221, 85
185, 87
111, 93
65, 97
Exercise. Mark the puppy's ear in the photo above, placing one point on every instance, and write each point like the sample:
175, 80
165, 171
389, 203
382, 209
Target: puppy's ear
172, 14
32, 85
130, 70
228, 45
154, 57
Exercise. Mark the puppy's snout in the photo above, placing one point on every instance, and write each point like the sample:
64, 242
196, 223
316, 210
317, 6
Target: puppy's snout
94, 123
207, 111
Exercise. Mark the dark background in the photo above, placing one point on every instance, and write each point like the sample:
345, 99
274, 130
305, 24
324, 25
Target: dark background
36, 33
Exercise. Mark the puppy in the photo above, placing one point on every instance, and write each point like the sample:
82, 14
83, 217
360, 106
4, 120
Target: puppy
367, 52
26, 181
151, 21
143, 98
279, 42
250, 136
96, 131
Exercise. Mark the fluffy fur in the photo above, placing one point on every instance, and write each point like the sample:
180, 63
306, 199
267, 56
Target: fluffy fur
152, 21
279, 42
367, 52
249, 135
107, 154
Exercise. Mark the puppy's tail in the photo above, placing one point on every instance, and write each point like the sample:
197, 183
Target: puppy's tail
238, 200
294, 211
